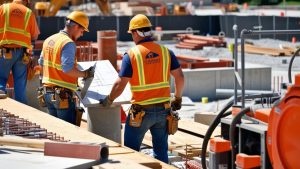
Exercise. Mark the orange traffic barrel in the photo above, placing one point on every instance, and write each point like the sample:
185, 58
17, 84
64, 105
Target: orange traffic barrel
107, 46
245, 161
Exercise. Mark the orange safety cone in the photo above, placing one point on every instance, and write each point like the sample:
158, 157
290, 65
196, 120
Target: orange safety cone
294, 39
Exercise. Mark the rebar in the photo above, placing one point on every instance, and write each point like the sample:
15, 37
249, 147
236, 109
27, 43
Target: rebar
14, 125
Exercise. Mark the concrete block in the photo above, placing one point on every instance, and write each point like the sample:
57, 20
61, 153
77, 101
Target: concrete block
204, 82
204, 117
105, 122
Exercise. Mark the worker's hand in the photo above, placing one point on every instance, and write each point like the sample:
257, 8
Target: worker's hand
89, 72
107, 101
176, 103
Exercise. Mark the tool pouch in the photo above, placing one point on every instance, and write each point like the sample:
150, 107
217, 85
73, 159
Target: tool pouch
40, 97
7, 53
136, 116
60, 99
172, 120
26, 56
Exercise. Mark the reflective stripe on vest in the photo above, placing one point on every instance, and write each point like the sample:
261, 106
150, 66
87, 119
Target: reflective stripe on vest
20, 32
142, 86
53, 73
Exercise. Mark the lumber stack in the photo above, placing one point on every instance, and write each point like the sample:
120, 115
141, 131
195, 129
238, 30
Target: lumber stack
286, 51
195, 42
191, 62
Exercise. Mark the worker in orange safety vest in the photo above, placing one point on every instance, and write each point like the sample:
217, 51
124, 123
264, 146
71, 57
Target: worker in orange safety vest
147, 67
18, 30
60, 71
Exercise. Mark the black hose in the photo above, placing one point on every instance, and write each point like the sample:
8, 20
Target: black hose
211, 129
291, 64
236, 120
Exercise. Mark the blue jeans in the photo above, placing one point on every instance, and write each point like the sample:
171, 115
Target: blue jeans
155, 120
19, 71
68, 115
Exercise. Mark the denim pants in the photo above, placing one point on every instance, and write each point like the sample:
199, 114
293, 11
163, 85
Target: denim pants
68, 115
155, 120
19, 71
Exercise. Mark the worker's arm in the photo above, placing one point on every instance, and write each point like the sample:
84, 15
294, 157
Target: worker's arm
75, 73
177, 73
68, 61
118, 87
179, 81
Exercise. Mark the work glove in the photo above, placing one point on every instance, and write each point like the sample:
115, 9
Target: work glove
107, 101
176, 103
89, 72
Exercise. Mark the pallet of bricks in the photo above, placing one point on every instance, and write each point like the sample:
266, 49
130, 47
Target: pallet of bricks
195, 42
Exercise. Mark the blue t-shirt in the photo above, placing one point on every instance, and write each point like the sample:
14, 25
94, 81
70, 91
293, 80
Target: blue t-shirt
126, 68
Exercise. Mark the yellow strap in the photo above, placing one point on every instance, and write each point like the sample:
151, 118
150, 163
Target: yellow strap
150, 86
140, 65
154, 101
60, 83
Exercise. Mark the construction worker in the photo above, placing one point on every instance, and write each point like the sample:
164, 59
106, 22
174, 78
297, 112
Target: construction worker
147, 67
60, 72
18, 30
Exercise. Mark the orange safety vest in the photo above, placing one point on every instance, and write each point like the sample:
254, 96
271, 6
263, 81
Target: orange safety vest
52, 68
14, 23
150, 82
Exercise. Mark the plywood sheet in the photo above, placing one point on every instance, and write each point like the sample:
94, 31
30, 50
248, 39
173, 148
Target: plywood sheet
105, 76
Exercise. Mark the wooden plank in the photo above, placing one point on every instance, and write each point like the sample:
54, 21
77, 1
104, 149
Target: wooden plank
264, 51
178, 140
191, 58
198, 128
75, 133
201, 42
52, 124
187, 47
205, 38
143, 160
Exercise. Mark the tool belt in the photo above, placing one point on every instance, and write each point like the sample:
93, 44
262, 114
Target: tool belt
41, 96
172, 119
60, 96
137, 112
6, 52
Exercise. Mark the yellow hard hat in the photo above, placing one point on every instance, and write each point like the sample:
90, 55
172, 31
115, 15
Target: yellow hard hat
81, 18
139, 21
40, 6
